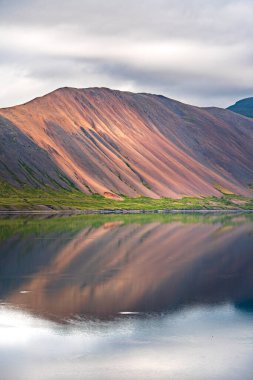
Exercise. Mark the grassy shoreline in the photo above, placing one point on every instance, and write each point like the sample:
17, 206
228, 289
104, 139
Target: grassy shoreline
29, 199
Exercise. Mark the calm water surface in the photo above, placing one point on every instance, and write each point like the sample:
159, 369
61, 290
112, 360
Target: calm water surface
126, 297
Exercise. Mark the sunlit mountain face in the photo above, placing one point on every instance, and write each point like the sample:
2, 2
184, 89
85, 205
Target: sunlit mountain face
112, 142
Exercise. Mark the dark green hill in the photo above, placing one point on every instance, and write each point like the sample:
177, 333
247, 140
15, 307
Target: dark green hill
243, 107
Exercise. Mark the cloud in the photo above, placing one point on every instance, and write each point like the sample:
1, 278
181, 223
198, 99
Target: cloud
197, 51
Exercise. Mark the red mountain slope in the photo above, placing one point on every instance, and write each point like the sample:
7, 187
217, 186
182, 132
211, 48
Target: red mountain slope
119, 142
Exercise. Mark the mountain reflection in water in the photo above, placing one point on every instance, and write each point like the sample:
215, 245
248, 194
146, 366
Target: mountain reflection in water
64, 267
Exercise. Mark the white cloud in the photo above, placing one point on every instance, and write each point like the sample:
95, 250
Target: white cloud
196, 51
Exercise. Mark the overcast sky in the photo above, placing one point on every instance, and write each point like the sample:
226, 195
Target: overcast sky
196, 51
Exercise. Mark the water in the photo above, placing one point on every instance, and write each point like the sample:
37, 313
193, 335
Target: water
126, 297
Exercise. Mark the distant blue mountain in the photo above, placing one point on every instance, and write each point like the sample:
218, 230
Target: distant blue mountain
243, 107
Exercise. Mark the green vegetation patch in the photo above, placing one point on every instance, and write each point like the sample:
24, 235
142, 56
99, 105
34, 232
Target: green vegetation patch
223, 190
27, 198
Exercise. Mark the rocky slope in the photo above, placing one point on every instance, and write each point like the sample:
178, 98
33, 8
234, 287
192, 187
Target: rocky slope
111, 142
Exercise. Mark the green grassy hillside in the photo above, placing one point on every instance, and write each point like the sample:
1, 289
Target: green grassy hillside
27, 198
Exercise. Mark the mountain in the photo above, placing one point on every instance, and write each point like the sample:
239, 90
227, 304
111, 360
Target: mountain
243, 107
112, 142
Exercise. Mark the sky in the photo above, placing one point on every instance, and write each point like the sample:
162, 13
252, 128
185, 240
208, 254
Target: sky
196, 51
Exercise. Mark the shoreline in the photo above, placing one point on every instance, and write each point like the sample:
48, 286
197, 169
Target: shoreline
125, 212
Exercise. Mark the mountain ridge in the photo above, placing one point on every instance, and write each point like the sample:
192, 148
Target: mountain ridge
109, 141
